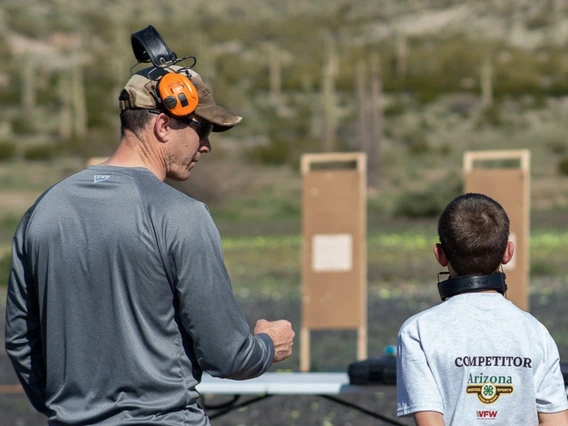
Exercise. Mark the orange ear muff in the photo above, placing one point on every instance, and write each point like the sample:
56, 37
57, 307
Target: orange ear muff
178, 94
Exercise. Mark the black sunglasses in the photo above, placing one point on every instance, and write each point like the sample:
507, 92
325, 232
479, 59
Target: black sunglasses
203, 129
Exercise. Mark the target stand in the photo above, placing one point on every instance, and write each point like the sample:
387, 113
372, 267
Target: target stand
505, 177
334, 251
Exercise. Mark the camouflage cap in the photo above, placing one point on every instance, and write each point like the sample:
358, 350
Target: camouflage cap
140, 93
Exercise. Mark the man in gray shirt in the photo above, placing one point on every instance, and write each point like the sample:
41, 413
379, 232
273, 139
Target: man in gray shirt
118, 295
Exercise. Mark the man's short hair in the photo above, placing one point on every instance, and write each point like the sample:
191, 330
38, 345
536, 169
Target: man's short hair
474, 232
134, 120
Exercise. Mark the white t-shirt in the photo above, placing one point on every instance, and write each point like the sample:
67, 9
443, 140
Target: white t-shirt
478, 360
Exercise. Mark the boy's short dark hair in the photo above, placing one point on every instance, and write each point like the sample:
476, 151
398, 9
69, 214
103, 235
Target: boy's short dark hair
474, 232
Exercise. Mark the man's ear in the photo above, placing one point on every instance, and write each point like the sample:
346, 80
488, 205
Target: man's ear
440, 255
509, 251
162, 127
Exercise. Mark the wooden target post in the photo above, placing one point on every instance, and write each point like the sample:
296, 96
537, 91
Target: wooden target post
510, 187
334, 248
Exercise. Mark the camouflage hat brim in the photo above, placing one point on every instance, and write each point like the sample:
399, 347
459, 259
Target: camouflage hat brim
221, 118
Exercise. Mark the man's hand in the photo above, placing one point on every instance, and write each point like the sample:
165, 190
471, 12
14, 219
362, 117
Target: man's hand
281, 334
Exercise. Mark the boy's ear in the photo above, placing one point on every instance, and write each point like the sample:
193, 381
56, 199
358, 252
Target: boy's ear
509, 251
440, 255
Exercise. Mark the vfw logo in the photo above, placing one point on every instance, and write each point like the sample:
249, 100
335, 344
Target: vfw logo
487, 415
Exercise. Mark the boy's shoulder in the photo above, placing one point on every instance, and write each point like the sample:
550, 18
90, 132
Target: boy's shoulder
424, 316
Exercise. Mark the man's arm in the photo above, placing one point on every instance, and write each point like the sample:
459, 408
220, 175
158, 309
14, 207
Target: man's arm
23, 332
553, 419
222, 340
429, 418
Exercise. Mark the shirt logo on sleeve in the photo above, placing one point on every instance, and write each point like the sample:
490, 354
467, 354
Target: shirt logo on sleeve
100, 178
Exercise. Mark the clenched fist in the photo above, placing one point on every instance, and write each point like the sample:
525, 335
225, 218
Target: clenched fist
281, 334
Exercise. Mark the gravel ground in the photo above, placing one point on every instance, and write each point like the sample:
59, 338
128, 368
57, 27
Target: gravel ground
331, 351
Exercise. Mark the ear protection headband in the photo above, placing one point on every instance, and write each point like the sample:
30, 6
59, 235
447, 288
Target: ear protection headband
472, 283
175, 91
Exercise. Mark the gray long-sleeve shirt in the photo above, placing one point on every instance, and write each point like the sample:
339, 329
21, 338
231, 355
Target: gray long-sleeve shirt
118, 299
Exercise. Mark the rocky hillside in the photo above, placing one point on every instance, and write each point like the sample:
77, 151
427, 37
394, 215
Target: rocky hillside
418, 81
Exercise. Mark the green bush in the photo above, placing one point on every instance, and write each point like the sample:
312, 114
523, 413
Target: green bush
377, 207
543, 268
7, 151
445, 149
39, 153
277, 152
492, 116
427, 95
563, 166
22, 125
557, 146
27, 21
394, 109
539, 20
417, 142
428, 202
418, 204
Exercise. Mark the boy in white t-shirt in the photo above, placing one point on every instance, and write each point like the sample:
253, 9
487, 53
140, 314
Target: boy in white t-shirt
477, 359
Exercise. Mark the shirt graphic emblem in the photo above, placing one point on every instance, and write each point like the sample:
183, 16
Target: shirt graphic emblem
488, 393
100, 178
487, 414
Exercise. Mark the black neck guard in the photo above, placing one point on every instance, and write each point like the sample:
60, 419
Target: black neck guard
472, 283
